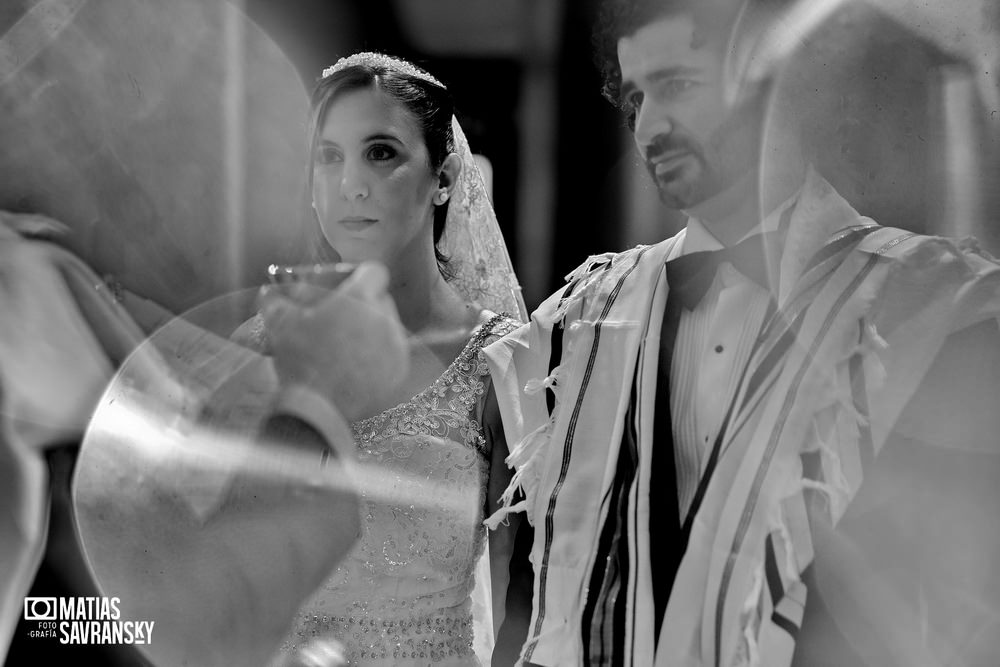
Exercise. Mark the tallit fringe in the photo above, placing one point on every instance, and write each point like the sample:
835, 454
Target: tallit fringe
829, 490
842, 438
836, 437
791, 564
501, 516
755, 613
870, 338
526, 459
869, 347
753, 598
839, 489
591, 274
750, 617
588, 265
584, 287
534, 385
753, 655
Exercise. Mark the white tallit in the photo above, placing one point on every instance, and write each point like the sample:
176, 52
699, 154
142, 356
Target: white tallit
722, 612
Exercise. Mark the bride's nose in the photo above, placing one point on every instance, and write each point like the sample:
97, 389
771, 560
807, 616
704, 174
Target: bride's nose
353, 184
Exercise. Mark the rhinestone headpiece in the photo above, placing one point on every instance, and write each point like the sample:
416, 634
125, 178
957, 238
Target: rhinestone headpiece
371, 59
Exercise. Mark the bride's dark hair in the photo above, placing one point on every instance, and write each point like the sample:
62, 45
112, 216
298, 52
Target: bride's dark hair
428, 102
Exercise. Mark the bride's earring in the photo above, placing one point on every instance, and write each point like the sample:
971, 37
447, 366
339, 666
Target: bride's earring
441, 196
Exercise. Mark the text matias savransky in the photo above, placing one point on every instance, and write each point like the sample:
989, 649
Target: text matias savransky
85, 620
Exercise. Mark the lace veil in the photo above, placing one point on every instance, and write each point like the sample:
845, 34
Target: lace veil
479, 263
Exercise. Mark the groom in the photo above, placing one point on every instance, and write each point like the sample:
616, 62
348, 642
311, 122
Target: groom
771, 439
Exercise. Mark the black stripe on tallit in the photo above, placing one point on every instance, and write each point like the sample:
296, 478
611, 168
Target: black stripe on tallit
567, 455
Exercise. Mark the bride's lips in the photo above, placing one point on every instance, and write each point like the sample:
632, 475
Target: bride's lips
357, 223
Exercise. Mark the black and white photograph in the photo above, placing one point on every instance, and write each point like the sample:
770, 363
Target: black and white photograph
535, 333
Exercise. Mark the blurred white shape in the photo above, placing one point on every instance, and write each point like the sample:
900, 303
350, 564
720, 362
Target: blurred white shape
962, 153
234, 128
967, 29
761, 40
39, 26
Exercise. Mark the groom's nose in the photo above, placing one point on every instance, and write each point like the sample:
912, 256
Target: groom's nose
652, 122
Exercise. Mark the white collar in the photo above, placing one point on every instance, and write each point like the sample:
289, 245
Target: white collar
697, 236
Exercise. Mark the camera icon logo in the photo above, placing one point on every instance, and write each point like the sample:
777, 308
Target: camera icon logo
40, 609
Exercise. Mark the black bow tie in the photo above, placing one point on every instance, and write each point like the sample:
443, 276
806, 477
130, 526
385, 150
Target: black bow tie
690, 276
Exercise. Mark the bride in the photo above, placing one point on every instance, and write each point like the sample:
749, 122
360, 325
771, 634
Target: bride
393, 180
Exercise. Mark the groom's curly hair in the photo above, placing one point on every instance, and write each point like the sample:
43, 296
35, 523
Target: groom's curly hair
621, 18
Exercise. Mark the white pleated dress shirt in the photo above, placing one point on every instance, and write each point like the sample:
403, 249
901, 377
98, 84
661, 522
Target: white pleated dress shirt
713, 346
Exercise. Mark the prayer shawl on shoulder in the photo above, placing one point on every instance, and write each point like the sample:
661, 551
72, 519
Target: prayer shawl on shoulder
861, 312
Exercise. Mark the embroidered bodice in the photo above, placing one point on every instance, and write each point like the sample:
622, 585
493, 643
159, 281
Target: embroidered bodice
402, 596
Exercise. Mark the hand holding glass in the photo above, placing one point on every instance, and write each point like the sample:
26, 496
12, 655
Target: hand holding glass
346, 344
309, 282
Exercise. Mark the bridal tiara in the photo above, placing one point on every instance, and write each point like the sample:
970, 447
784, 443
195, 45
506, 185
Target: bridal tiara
370, 59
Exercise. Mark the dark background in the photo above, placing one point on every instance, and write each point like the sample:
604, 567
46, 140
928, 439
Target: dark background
119, 126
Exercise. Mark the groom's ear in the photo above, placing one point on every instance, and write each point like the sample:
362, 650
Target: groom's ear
451, 168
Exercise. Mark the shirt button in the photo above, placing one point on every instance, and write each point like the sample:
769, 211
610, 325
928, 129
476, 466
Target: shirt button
718, 348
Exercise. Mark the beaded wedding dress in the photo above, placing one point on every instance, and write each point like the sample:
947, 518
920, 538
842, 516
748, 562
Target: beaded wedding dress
403, 595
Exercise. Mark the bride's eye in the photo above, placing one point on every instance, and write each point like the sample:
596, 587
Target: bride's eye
327, 155
381, 152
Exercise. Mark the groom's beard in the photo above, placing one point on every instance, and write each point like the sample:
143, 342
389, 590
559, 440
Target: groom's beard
679, 168
694, 171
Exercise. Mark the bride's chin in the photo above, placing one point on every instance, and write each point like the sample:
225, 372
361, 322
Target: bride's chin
352, 253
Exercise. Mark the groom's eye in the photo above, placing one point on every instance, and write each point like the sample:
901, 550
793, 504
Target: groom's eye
630, 107
630, 120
